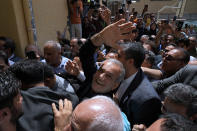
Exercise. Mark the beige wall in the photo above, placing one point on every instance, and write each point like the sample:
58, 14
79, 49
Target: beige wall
12, 23
50, 16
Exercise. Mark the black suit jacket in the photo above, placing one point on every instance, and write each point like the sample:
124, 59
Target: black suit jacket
186, 75
38, 115
140, 102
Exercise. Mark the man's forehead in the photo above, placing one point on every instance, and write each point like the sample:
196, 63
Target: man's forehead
175, 52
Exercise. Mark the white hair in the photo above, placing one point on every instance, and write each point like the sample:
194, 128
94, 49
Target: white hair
54, 44
122, 69
107, 121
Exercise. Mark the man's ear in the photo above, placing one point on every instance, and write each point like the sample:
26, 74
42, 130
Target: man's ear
131, 61
3, 113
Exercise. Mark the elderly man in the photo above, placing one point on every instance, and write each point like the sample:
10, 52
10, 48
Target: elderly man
136, 88
10, 101
95, 114
52, 55
111, 72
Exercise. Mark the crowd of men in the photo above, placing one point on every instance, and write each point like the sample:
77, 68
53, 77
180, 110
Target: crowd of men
128, 74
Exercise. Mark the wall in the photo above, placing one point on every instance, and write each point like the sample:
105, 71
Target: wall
50, 16
12, 23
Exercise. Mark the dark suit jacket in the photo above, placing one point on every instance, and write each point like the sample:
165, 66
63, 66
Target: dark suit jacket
186, 75
38, 115
140, 102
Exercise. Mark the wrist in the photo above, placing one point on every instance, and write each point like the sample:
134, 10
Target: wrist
97, 39
58, 129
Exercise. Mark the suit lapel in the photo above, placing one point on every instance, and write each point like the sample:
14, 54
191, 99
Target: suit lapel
134, 84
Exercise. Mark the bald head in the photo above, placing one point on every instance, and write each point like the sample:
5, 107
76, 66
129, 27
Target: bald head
97, 113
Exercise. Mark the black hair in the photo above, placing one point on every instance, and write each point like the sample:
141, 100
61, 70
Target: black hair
136, 51
29, 71
175, 122
185, 42
185, 55
9, 88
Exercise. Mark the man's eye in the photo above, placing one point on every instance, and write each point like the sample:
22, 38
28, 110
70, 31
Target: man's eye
109, 76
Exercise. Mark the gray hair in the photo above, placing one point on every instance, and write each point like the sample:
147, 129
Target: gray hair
122, 69
53, 44
183, 94
106, 121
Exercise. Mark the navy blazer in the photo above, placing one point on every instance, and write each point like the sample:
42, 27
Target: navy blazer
140, 102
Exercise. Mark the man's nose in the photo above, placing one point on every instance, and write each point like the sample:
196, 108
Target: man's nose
102, 76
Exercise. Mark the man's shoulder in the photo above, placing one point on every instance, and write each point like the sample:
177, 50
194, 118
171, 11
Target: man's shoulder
144, 91
45, 93
64, 60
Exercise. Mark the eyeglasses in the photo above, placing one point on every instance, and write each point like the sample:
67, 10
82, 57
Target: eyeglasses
170, 58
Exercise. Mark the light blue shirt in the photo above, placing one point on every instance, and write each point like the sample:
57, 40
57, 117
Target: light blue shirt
61, 67
126, 123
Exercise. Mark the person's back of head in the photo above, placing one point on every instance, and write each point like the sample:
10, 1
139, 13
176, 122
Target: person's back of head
181, 99
29, 71
172, 122
33, 52
97, 113
134, 51
175, 122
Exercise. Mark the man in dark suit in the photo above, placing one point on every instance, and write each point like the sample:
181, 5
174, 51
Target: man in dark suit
137, 98
186, 75
37, 98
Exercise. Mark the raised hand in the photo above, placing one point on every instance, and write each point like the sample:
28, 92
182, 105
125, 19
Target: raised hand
106, 15
111, 34
63, 115
72, 68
